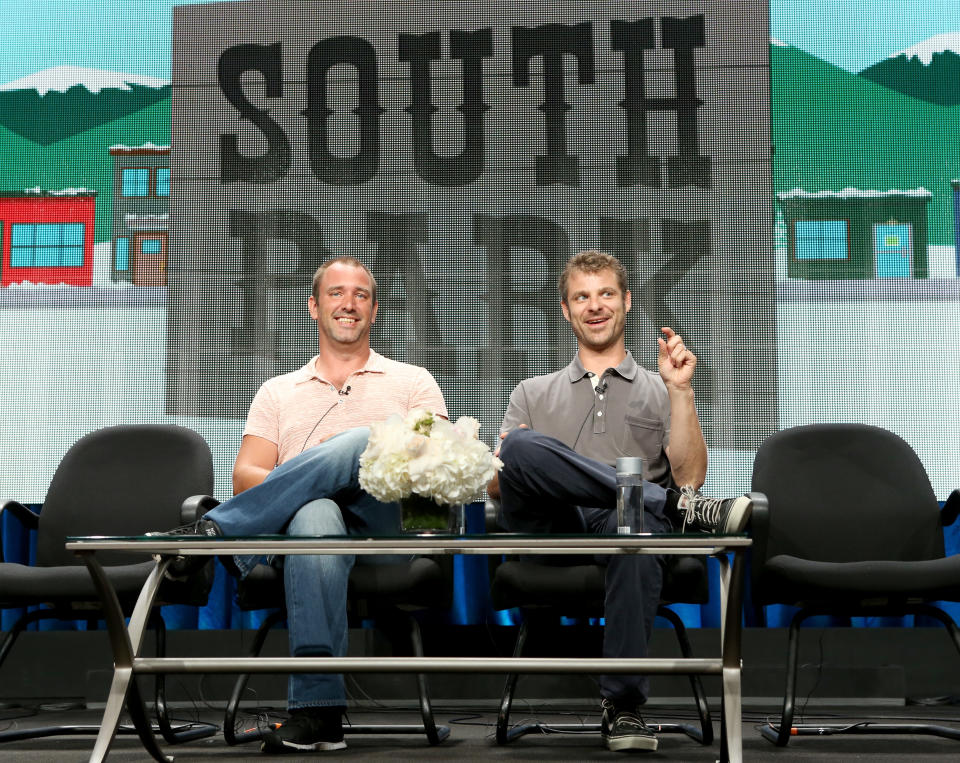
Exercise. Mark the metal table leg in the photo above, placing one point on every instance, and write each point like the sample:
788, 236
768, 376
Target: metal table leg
731, 734
126, 643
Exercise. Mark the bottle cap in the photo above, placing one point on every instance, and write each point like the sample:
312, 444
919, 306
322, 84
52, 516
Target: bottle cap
629, 465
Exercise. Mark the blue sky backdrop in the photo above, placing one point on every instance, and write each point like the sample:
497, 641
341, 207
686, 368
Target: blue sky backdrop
133, 36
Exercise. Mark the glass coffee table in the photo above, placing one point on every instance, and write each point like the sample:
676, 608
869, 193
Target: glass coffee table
127, 639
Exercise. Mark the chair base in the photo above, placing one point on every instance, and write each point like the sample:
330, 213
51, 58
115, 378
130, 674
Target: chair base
780, 733
178, 734
771, 733
522, 729
440, 732
182, 733
505, 733
434, 734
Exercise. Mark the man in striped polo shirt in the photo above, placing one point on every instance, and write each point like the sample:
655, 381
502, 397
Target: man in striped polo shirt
296, 473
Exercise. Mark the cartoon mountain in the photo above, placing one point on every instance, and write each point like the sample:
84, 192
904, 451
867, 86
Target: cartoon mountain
929, 70
57, 103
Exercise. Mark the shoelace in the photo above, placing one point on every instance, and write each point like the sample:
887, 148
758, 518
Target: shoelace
625, 717
707, 510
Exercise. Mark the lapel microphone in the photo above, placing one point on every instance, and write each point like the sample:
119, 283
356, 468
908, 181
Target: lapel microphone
345, 391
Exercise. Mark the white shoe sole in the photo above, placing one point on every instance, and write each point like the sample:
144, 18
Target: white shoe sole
618, 744
286, 746
739, 515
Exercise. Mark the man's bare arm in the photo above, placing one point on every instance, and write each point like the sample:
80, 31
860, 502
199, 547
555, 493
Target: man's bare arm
687, 451
255, 460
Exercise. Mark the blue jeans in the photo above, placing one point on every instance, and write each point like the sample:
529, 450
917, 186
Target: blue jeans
546, 487
314, 493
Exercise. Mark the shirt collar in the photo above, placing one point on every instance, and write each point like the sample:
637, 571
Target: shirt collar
308, 372
627, 368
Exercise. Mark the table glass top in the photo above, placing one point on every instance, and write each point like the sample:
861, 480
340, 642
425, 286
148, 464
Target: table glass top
430, 536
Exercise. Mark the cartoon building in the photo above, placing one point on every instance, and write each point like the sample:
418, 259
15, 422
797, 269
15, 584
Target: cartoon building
141, 195
47, 236
856, 234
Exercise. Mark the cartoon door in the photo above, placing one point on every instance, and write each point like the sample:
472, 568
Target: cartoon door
893, 250
150, 259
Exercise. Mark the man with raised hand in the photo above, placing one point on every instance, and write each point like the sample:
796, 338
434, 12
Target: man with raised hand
562, 434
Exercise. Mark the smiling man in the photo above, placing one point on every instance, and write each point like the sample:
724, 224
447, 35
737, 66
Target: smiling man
296, 473
562, 434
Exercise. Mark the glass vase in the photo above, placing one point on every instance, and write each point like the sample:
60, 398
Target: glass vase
419, 515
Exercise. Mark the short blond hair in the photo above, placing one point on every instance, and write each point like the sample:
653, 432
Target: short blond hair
343, 260
591, 261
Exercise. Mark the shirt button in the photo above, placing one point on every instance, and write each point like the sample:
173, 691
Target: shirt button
599, 413
600, 397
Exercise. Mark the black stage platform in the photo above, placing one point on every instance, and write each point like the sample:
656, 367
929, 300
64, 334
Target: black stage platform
471, 736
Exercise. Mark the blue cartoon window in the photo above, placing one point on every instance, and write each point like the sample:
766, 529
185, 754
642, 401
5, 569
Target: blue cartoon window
163, 181
135, 181
121, 256
47, 245
821, 239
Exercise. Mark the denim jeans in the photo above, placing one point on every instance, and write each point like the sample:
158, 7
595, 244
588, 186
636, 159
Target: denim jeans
314, 493
546, 487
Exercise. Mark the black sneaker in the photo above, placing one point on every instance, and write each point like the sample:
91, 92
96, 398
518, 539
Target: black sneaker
724, 516
623, 729
184, 567
319, 729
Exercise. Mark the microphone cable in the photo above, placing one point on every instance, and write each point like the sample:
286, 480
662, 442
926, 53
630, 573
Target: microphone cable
341, 393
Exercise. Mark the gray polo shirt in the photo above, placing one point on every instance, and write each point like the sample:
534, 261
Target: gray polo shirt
628, 414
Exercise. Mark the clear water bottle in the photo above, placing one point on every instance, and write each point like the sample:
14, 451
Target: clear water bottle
629, 495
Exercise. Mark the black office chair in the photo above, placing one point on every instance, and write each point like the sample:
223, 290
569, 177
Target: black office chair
120, 480
852, 528
387, 594
545, 593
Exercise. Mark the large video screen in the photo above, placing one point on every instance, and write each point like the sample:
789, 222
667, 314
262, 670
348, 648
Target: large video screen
783, 192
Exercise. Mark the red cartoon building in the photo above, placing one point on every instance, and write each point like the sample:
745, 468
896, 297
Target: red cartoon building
46, 237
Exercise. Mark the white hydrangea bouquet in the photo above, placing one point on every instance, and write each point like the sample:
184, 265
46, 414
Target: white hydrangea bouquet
422, 454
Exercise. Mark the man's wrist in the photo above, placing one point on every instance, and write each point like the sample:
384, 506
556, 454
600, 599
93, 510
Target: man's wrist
684, 389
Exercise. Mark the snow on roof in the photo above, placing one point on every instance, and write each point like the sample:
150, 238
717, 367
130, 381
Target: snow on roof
43, 286
62, 78
81, 191
155, 216
121, 148
147, 221
853, 193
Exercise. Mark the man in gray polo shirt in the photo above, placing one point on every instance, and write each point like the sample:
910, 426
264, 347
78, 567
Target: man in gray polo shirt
562, 434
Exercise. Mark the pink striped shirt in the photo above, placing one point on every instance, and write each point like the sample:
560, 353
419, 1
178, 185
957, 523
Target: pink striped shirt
301, 409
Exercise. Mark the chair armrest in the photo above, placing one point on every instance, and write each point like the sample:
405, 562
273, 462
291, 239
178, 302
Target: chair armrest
21, 512
759, 531
760, 516
492, 516
951, 508
195, 507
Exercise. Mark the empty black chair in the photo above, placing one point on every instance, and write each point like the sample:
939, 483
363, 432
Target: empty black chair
852, 528
546, 592
120, 480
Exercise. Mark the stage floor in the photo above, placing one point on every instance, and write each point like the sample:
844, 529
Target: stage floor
472, 730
